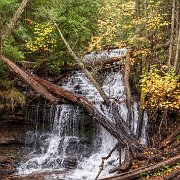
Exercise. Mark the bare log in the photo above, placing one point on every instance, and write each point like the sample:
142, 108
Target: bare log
123, 133
103, 57
148, 169
51, 92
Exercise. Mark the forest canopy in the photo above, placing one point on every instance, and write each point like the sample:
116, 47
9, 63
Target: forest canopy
149, 29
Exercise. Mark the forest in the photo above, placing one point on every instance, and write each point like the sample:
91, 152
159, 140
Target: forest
45, 44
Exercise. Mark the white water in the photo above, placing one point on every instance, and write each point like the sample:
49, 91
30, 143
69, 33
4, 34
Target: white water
65, 122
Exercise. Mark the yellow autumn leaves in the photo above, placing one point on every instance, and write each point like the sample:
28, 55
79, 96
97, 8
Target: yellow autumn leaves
118, 23
161, 89
109, 24
42, 40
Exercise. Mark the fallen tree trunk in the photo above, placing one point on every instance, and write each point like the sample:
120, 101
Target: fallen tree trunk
50, 91
99, 64
54, 93
148, 169
28, 80
125, 135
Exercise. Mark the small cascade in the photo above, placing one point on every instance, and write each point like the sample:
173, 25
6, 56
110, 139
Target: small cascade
65, 137
61, 143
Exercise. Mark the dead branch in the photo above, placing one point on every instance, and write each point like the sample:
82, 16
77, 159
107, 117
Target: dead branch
137, 173
103, 160
127, 163
127, 88
171, 138
80, 63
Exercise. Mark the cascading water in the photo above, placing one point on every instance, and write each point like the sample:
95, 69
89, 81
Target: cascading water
70, 142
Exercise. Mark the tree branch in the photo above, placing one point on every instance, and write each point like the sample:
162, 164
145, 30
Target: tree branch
88, 74
7, 30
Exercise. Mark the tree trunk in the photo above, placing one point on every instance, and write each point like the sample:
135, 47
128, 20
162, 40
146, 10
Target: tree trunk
0, 37
172, 33
140, 121
7, 30
177, 51
137, 8
127, 89
145, 8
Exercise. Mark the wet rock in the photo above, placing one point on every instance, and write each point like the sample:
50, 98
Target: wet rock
11, 140
70, 163
77, 87
72, 147
7, 165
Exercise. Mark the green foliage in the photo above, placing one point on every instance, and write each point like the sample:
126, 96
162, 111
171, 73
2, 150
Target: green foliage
7, 9
93, 25
11, 50
77, 20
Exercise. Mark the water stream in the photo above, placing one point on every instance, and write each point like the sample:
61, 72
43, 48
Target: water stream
65, 137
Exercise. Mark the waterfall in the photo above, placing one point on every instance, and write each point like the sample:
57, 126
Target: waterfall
65, 137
